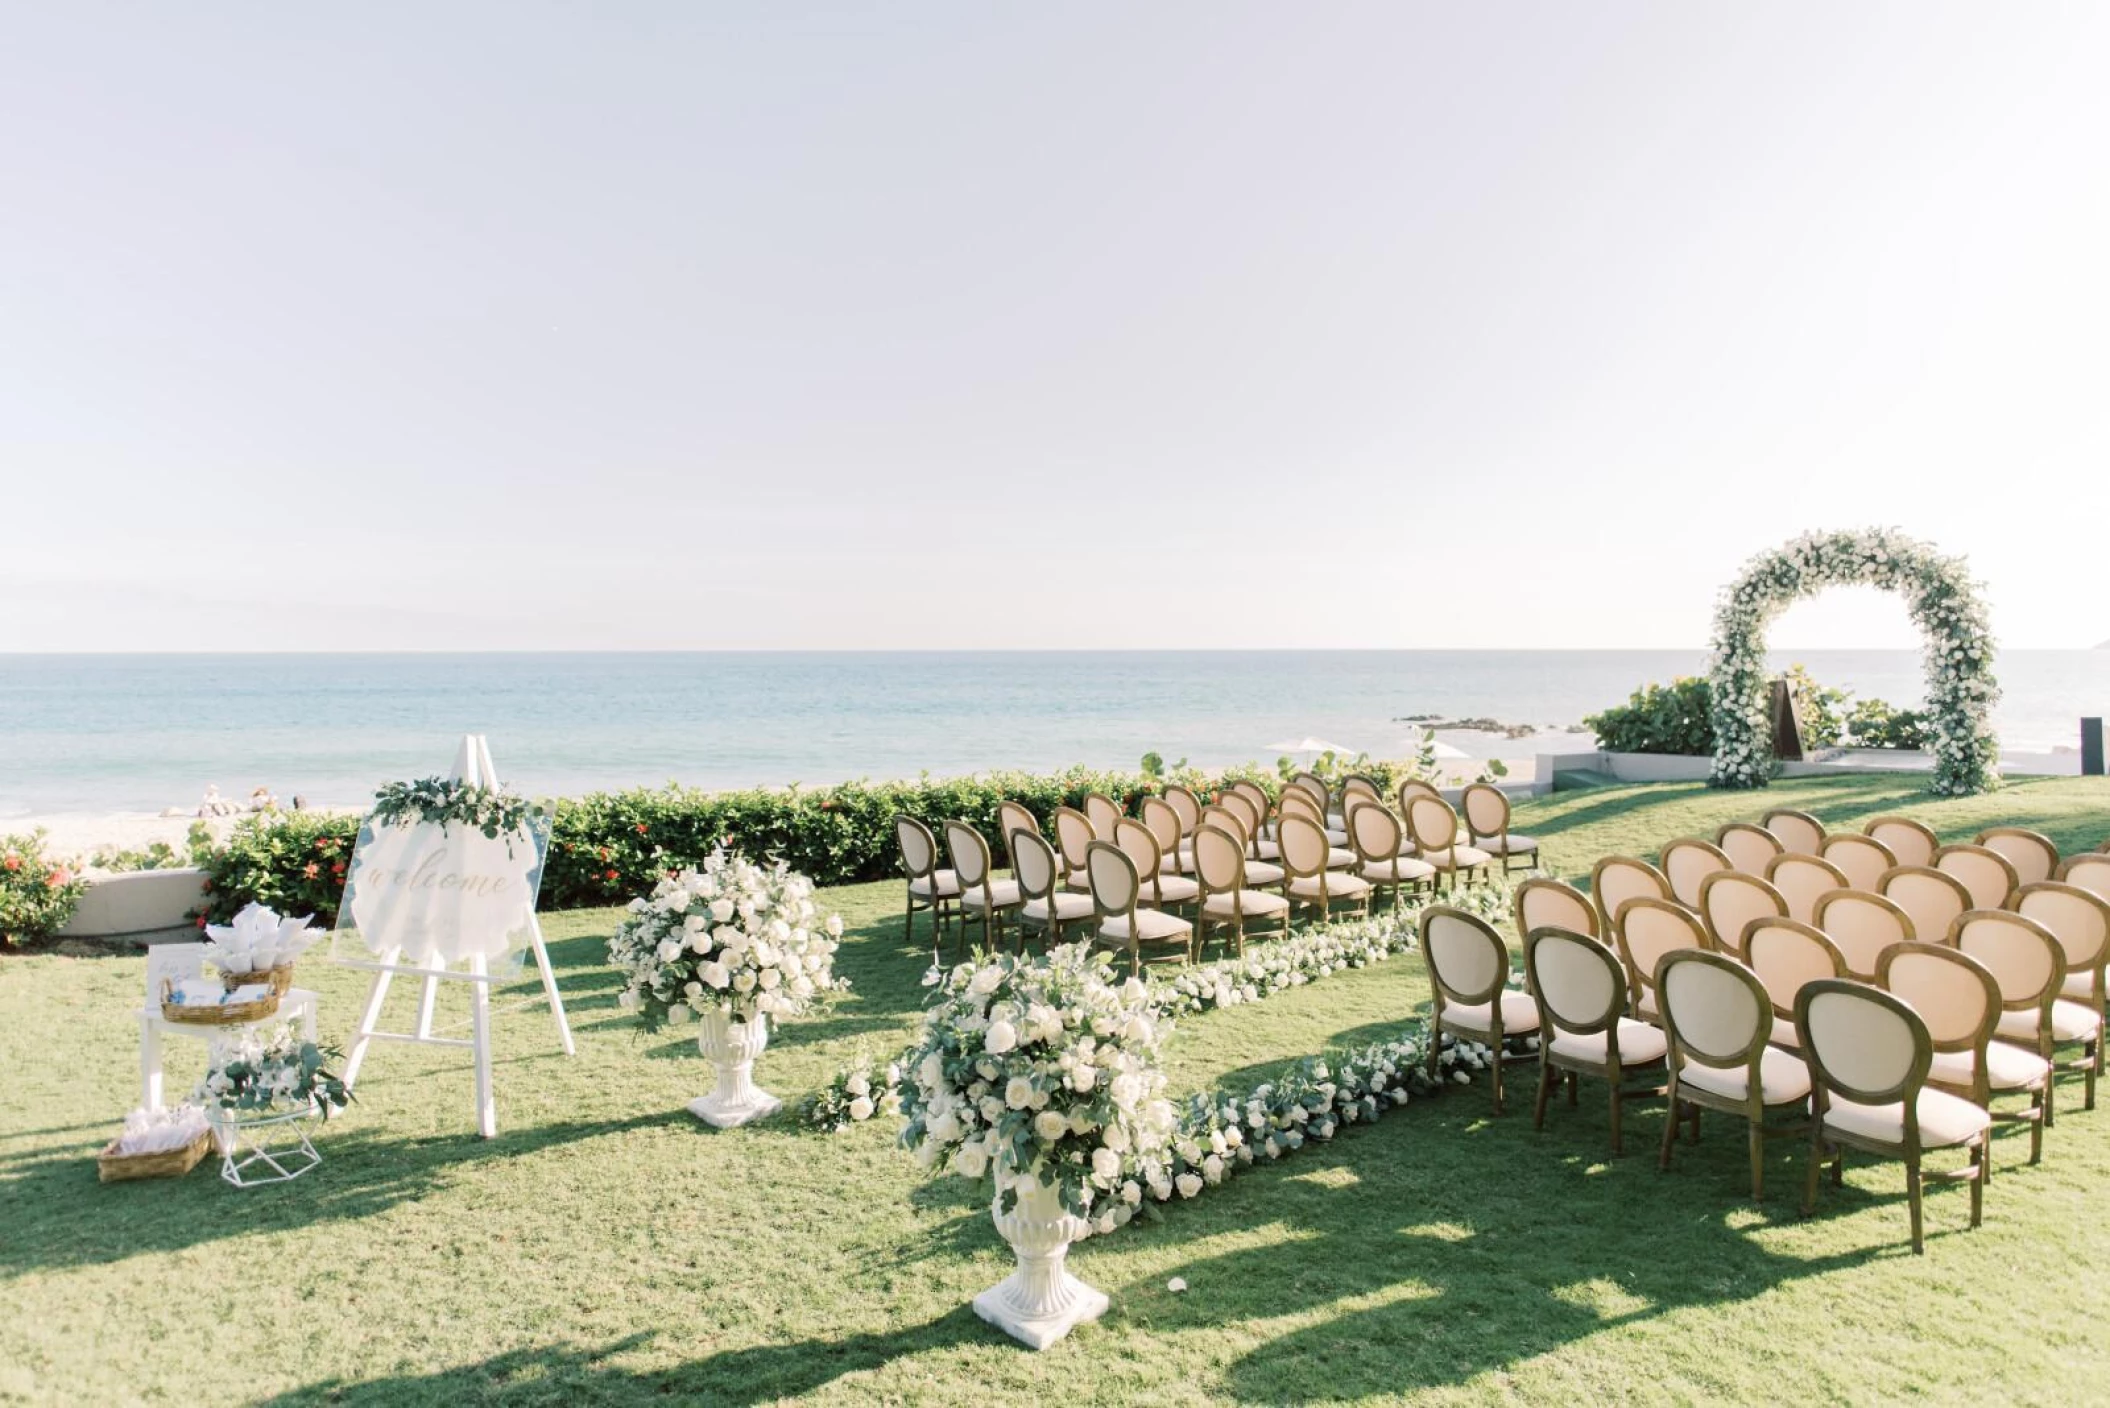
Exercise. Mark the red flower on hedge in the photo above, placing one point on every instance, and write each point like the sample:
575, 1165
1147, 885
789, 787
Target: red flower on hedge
641, 828
12, 861
337, 869
612, 875
311, 870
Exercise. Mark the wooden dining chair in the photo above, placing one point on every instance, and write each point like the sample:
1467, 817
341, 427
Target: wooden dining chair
1103, 814
1584, 1030
1231, 816
1932, 899
1801, 878
1643, 931
1749, 848
2028, 963
1074, 835
1163, 819
1986, 873
1162, 889
1433, 827
1046, 908
1799, 832
1468, 967
1146, 935
1861, 859
1545, 903
1912, 842
1867, 1056
1959, 1000
1730, 900
929, 888
2090, 870
1307, 859
1686, 863
1010, 817
1787, 954
1384, 855
982, 895
2033, 855
1617, 879
1487, 827
1228, 904
1719, 1019
1861, 925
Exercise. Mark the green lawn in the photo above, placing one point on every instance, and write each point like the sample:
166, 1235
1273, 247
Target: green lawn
606, 1247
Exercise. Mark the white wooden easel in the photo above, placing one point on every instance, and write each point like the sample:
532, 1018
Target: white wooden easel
472, 764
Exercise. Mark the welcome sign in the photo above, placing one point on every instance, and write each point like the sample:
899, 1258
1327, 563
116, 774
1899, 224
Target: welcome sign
438, 894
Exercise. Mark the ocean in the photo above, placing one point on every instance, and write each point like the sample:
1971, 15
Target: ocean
113, 733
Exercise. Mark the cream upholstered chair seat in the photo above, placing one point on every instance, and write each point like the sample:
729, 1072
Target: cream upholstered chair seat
1504, 846
1784, 1034
1176, 889
948, 885
1253, 904
1001, 894
1261, 872
1782, 1079
1456, 857
1399, 870
1338, 858
2080, 987
2006, 1067
2070, 1021
1069, 906
1639, 1044
1340, 887
1945, 1119
1520, 1017
1181, 864
1150, 924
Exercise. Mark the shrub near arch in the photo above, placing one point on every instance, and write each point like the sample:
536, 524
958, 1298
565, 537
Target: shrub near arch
1944, 604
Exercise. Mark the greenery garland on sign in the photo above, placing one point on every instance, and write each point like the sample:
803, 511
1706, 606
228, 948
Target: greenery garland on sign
449, 802
1944, 604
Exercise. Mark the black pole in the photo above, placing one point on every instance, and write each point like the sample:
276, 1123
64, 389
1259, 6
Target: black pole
2091, 747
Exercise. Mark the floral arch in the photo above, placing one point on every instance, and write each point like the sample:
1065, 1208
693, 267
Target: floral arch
1945, 605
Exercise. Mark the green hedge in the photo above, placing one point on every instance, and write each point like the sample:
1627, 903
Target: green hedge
611, 847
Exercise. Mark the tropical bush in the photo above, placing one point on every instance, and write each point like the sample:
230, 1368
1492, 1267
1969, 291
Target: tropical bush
37, 893
158, 855
292, 862
1659, 718
1875, 724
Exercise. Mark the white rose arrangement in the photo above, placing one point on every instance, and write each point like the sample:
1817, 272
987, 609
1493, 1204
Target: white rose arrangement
1040, 1067
859, 1093
260, 1070
732, 934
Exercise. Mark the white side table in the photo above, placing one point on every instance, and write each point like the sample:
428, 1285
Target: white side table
176, 963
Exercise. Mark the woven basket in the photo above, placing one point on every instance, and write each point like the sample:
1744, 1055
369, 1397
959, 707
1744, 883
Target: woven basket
280, 978
113, 1167
225, 1014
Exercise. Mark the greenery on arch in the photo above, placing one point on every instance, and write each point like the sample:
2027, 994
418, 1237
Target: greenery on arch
1944, 604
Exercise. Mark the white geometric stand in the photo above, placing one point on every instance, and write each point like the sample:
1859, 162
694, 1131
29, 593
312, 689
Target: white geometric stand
472, 764
1040, 1302
732, 1048
253, 1149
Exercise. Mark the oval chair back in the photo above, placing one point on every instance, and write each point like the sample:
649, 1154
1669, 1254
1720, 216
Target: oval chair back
1163, 819
1356, 785
969, 853
1912, 842
1932, 899
1467, 961
1240, 808
1100, 810
1749, 848
1013, 816
2090, 870
1140, 845
1314, 787
1730, 900
1413, 787
1715, 1011
1116, 884
1034, 865
1957, 999
2080, 921
919, 848
1798, 832
1580, 984
1545, 903
1375, 834
2024, 959
1219, 859
1185, 804
1298, 802
1861, 926
1305, 851
1646, 930
1431, 823
1074, 835
1227, 815
1801, 878
1686, 863
1985, 873
1861, 859
1617, 879
1486, 810
1788, 956
1255, 795
2033, 855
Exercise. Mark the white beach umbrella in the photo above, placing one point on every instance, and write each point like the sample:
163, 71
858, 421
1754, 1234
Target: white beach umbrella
1310, 745
1446, 751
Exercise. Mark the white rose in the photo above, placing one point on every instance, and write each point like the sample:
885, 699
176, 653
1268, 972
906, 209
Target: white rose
1001, 1037
1106, 1165
1188, 1184
1116, 1138
971, 1161
1018, 1092
834, 926
693, 990
931, 1073
714, 974
861, 1108
1132, 1193
770, 978
668, 950
945, 1127
627, 1000
721, 911
1139, 1029
858, 1084
678, 1013
744, 981
985, 981
1050, 1125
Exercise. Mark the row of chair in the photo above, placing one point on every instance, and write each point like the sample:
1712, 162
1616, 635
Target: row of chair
1839, 1019
1159, 883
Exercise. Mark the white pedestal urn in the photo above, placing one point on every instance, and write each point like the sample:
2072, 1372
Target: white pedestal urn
731, 1042
1040, 1302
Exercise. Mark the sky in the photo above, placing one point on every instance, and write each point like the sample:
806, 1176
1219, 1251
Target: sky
685, 326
